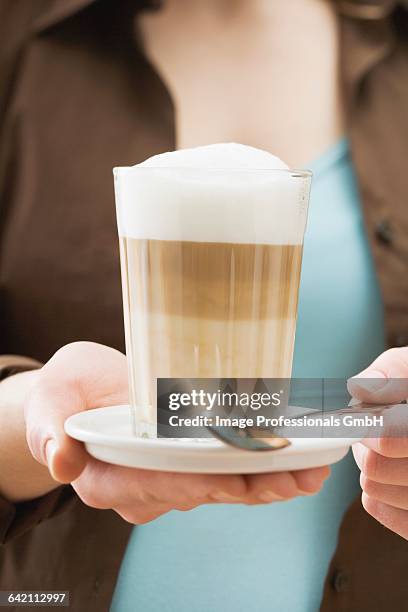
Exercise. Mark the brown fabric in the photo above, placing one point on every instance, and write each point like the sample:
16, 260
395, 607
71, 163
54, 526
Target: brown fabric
376, 83
369, 568
16, 519
365, 9
76, 98
14, 364
78, 549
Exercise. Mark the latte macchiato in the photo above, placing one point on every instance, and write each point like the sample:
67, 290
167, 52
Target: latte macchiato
210, 259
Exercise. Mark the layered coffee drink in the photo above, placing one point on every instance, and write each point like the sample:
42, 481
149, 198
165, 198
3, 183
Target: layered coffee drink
211, 250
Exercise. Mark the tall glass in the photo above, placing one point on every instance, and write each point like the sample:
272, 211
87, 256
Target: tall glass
210, 263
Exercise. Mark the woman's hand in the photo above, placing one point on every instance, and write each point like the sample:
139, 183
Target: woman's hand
85, 375
384, 461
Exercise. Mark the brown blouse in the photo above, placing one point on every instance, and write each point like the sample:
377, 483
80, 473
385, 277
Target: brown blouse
77, 97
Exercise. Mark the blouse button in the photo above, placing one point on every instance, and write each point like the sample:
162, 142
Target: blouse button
340, 581
384, 232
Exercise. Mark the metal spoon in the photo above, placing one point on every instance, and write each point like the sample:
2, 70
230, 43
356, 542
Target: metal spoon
247, 438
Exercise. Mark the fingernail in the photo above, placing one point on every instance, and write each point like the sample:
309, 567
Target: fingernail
49, 451
370, 380
225, 497
269, 496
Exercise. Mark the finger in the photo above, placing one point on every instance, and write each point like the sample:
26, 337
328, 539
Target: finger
393, 495
79, 376
310, 481
176, 488
142, 515
394, 434
388, 446
128, 486
385, 380
124, 487
265, 488
392, 518
381, 469
279, 486
46, 410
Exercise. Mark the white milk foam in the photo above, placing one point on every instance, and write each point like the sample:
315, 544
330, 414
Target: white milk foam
215, 193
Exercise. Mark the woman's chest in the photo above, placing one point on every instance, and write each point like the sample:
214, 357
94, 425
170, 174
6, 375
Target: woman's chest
268, 82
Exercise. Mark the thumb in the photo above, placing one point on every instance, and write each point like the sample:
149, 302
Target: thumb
46, 410
384, 381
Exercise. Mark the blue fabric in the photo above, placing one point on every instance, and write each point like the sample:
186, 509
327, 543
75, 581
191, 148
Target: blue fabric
227, 558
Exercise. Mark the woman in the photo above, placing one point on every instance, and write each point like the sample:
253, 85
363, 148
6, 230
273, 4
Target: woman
90, 85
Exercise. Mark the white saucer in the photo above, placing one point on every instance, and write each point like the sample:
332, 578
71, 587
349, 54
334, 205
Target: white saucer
107, 435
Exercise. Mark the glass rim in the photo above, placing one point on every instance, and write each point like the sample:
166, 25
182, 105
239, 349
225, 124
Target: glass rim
297, 173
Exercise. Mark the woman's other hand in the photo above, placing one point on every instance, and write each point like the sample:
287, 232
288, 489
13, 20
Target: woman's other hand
384, 461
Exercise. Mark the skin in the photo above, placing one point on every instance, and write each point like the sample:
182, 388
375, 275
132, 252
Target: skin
259, 72
384, 461
39, 455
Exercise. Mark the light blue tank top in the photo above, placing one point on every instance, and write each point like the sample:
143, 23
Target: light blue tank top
224, 558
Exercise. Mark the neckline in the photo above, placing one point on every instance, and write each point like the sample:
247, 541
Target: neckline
329, 157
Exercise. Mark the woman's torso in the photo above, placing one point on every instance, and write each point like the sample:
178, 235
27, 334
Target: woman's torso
278, 553
226, 558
